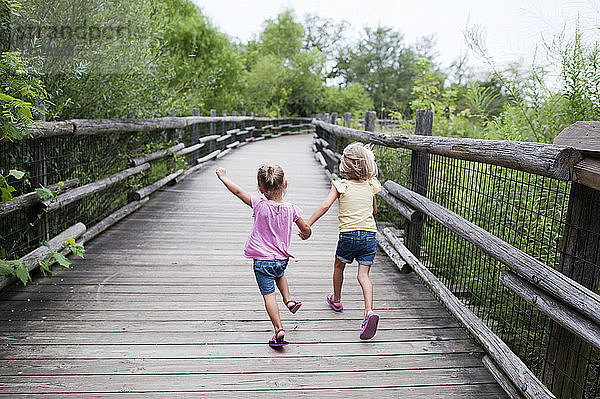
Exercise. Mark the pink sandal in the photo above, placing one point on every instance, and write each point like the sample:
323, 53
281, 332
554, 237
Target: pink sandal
296, 305
335, 305
369, 326
276, 341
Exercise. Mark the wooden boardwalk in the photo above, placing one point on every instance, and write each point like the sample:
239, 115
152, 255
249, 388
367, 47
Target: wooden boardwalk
165, 306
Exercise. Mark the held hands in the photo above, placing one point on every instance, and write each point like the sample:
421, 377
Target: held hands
304, 236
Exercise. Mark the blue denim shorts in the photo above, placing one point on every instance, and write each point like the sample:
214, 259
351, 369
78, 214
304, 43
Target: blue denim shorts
359, 244
266, 271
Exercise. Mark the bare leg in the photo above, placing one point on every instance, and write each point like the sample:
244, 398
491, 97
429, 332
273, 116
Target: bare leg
273, 311
367, 287
282, 284
338, 279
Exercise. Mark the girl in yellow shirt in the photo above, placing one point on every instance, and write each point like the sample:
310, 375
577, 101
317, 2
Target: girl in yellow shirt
356, 194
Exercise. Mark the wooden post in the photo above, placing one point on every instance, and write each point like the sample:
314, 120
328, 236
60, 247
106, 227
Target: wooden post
251, 134
566, 358
213, 130
418, 179
233, 124
333, 118
347, 119
195, 135
224, 124
370, 117
244, 122
39, 176
370, 121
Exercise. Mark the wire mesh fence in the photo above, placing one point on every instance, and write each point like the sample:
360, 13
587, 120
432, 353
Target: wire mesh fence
532, 213
89, 158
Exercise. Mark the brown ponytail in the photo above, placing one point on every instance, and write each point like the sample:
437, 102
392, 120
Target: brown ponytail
271, 179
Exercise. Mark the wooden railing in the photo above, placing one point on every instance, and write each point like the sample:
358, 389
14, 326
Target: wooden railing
103, 171
456, 257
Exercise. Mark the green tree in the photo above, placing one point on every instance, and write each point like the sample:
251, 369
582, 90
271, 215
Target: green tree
282, 36
353, 98
209, 72
283, 77
384, 65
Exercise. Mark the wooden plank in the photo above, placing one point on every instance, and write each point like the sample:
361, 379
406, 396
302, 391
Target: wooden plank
112, 219
224, 337
582, 135
242, 365
514, 368
179, 383
462, 391
232, 350
538, 158
547, 278
587, 172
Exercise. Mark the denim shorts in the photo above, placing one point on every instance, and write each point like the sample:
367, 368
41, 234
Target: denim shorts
359, 244
266, 271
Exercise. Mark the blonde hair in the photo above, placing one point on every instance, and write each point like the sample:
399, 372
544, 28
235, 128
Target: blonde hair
358, 162
271, 179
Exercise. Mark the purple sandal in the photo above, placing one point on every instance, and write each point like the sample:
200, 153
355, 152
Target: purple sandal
276, 341
295, 307
369, 326
335, 305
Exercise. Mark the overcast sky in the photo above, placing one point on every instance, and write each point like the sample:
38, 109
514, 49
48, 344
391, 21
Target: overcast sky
513, 27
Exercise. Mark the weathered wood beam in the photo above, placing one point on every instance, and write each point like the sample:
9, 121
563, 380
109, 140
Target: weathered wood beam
28, 200
84, 191
112, 219
513, 367
406, 211
209, 138
579, 325
155, 155
538, 158
587, 172
223, 138
146, 191
209, 156
321, 160
223, 153
502, 380
233, 145
103, 126
51, 129
552, 281
42, 253
189, 149
389, 250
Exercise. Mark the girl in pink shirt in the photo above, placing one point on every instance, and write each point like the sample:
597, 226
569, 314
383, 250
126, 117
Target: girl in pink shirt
270, 238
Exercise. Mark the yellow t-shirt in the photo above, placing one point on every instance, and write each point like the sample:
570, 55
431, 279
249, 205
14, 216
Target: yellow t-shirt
356, 204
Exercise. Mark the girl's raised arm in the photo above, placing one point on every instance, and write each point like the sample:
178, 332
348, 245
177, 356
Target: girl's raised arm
324, 206
234, 188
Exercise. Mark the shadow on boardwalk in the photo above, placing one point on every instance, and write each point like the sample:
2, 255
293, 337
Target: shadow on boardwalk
164, 305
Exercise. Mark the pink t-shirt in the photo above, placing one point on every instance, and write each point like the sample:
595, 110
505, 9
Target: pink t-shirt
272, 231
